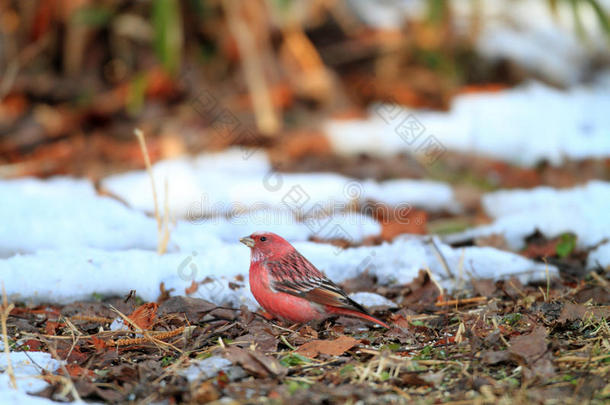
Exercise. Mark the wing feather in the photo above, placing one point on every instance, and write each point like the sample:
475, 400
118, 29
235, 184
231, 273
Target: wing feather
294, 274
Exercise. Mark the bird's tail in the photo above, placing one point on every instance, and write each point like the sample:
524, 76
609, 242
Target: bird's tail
358, 314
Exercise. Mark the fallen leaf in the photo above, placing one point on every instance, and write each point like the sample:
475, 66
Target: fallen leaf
541, 250
254, 362
330, 347
484, 287
300, 144
531, 346
51, 327
205, 392
494, 240
33, 345
258, 336
492, 357
413, 379
193, 308
144, 315
407, 221
192, 288
77, 371
421, 292
98, 343
572, 312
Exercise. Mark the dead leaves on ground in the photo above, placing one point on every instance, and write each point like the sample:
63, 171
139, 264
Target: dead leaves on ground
490, 347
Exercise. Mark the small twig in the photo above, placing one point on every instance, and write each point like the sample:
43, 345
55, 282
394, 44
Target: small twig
6, 310
548, 281
460, 301
577, 359
598, 278
435, 282
68, 380
283, 339
495, 322
442, 259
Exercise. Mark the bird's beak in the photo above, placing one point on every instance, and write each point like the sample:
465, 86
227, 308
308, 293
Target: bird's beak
248, 241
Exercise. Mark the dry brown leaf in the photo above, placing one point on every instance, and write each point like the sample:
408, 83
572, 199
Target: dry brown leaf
192, 288
531, 346
330, 347
254, 362
572, 312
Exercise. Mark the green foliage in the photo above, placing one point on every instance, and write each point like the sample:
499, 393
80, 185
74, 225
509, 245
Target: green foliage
384, 376
294, 359
391, 346
294, 386
436, 11
137, 94
167, 360
97, 297
512, 319
346, 370
167, 24
92, 16
425, 353
602, 15
566, 245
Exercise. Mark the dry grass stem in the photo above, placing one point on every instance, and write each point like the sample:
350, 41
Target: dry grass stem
162, 223
267, 119
6, 310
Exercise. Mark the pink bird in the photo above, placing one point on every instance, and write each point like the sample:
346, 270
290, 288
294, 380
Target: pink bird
289, 287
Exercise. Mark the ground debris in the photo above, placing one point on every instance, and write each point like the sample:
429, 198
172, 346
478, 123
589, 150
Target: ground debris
471, 347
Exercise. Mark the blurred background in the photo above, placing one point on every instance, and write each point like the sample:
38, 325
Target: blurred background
78, 75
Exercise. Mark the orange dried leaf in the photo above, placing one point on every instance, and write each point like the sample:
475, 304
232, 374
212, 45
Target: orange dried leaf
192, 288
98, 343
51, 327
144, 315
330, 347
77, 371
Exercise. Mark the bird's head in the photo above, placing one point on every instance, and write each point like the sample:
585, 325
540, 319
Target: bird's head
266, 245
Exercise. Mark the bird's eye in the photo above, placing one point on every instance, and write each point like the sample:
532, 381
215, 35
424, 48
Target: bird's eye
263, 238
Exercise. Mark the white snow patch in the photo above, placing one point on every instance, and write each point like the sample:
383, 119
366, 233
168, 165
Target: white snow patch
26, 367
60, 212
506, 125
369, 299
201, 370
599, 257
582, 210
201, 194
64, 213
75, 274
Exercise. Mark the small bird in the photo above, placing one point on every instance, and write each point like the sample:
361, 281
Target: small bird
289, 287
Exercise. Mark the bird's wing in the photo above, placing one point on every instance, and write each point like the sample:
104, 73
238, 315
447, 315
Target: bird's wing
294, 274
